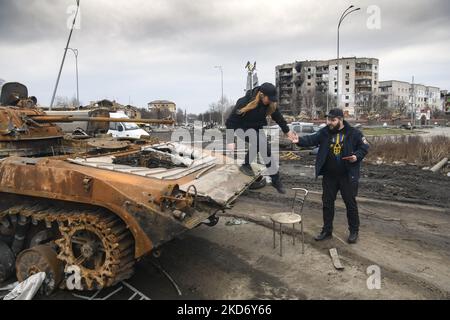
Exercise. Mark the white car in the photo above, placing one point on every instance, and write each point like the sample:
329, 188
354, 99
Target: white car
127, 130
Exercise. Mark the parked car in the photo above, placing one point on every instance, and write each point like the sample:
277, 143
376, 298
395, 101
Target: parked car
127, 130
301, 128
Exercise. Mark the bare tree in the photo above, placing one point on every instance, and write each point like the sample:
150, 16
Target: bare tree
74, 103
62, 102
380, 106
363, 103
180, 116
215, 110
156, 113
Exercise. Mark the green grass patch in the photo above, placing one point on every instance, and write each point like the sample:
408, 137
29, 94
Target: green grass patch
388, 131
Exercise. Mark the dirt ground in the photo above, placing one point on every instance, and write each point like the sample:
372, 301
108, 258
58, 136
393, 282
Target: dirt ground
405, 231
409, 241
405, 183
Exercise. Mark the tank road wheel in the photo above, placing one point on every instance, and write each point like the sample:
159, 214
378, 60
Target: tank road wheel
101, 248
40, 258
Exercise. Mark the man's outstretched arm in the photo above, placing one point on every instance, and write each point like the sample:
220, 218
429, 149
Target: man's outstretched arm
311, 140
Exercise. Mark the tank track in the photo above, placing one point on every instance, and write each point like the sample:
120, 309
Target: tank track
91, 230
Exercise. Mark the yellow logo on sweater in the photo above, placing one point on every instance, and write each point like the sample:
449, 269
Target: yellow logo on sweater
337, 146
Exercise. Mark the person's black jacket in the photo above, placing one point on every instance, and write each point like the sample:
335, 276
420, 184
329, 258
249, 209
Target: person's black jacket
253, 119
355, 144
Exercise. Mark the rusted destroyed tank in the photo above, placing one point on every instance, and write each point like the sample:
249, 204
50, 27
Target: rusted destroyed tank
85, 218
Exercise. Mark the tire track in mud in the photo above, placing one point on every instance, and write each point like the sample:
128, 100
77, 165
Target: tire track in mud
351, 257
403, 183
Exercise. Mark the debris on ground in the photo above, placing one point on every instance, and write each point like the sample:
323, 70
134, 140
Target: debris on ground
289, 156
335, 258
383, 182
27, 289
135, 293
439, 165
235, 222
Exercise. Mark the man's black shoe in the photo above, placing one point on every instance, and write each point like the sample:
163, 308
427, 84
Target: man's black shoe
353, 237
323, 235
247, 170
276, 183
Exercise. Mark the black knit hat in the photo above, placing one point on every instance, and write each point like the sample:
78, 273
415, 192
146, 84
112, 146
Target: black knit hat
269, 90
335, 113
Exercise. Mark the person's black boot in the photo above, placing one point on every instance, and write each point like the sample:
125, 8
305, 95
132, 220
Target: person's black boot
353, 237
247, 170
323, 235
276, 183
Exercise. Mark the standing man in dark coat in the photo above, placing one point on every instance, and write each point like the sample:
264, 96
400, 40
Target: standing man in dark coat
250, 113
341, 151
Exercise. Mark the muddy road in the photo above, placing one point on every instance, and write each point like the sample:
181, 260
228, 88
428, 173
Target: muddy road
405, 183
407, 240
236, 260
405, 232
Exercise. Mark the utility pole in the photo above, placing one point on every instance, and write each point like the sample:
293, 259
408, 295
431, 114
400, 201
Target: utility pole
344, 14
327, 100
221, 99
64, 56
75, 52
413, 103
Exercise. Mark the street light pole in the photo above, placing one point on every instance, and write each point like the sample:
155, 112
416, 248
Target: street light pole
64, 55
75, 52
344, 14
221, 100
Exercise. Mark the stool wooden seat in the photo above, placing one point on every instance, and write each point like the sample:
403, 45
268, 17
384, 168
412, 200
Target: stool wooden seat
286, 218
293, 217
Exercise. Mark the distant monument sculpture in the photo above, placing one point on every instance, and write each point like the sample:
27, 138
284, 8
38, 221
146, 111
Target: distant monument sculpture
252, 76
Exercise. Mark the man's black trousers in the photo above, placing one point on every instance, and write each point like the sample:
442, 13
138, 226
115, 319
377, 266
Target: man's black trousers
349, 190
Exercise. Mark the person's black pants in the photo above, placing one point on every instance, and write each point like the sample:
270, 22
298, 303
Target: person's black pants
349, 190
262, 147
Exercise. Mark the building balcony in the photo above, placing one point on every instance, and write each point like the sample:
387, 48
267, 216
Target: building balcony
363, 82
321, 71
367, 90
363, 77
363, 67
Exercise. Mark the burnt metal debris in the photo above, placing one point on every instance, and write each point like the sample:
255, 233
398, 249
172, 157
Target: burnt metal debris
84, 211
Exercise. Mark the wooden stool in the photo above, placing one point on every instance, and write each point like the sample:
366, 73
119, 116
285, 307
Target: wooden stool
293, 217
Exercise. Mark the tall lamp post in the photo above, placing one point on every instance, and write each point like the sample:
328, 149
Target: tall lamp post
221, 100
344, 14
75, 52
64, 55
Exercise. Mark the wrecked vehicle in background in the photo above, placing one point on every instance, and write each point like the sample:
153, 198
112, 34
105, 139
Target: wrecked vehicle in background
84, 214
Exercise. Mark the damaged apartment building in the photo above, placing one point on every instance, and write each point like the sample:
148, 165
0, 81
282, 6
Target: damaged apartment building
312, 86
402, 95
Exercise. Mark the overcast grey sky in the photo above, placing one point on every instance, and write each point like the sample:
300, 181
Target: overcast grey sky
166, 49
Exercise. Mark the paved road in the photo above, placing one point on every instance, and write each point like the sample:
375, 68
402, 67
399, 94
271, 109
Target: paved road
438, 131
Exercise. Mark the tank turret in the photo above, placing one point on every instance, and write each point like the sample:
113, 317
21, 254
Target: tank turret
26, 130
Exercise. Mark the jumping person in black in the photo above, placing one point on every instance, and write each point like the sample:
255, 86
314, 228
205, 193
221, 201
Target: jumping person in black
251, 112
341, 151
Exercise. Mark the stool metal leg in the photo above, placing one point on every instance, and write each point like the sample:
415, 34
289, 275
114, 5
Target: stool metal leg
303, 238
293, 234
273, 228
281, 240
